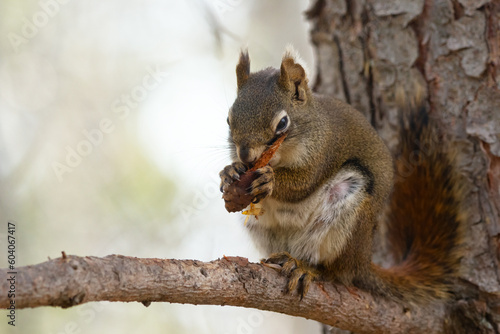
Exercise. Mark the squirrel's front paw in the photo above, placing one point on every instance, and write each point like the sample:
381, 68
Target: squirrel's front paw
230, 174
263, 185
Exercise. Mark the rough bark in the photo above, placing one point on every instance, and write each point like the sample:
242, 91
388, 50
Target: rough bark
375, 53
72, 280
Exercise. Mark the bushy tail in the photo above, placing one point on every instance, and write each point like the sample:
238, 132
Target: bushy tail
425, 222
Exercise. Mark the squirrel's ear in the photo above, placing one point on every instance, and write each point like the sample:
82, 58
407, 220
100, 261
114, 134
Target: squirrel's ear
293, 77
243, 69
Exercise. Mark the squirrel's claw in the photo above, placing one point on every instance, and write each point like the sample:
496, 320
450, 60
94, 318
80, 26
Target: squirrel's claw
230, 174
263, 185
300, 275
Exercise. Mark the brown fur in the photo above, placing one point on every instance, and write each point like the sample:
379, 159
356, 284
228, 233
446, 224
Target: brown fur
328, 138
426, 221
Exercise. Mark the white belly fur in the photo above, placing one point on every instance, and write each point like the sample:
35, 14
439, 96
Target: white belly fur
315, 229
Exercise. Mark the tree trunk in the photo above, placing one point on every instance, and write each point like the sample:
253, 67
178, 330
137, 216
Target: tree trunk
374, 53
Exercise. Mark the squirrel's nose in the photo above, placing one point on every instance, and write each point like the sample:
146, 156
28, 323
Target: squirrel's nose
245, 155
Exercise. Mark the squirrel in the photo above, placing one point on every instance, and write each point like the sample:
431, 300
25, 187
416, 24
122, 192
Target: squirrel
324, 191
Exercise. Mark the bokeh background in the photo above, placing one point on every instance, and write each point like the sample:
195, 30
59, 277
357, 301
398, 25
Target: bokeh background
112, 133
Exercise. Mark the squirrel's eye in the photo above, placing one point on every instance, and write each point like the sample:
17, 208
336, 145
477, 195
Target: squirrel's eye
283, 123
227, 120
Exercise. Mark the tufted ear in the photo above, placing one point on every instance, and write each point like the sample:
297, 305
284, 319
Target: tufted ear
243, 69
293, 77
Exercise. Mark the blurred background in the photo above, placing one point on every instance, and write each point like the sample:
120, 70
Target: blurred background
112, 133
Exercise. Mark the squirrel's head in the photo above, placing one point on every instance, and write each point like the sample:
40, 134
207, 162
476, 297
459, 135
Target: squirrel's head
269, 103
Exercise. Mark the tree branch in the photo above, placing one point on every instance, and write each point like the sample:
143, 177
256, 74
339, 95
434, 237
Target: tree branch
73, 280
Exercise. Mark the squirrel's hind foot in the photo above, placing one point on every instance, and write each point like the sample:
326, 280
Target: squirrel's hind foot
300, 275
